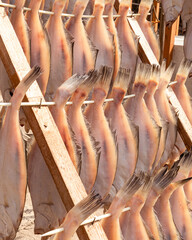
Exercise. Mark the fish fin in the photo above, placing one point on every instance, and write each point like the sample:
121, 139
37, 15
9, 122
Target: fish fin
148, 181
183, 181
143, 73
104, 79
165, 177
86, 207
185, 160
184, 68
123, 78
166, 74
69, 37
24, 85
89, 83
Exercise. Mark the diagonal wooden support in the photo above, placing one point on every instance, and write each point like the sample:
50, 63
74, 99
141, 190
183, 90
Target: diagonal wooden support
43, 126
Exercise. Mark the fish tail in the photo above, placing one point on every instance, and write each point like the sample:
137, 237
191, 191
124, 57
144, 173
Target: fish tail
185, 160
105, 78
143, 73
184, 69
166, 74
155, 74
89, 83
123, 79
23, 86
182, 182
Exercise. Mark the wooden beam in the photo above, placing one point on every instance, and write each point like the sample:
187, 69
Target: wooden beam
44, 128
144, 50
170, 33
155, 15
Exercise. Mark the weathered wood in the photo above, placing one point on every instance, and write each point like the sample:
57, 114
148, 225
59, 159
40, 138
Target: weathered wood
144, 50
184, 126
170, 33
155, 16
43, 126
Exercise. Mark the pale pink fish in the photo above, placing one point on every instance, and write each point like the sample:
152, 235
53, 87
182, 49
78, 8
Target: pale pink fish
127, 41
87, 145
187, 41
13, 174
40, 49
172, 9
166, 113
84, 53
161, 181
102, 133
111, 225
125, 131
20, 26
179, 207
61, 49
133, 227
77, 215
149, 131
146, 27
186, 13
101, 37
88, 9
47, 205
108, 10
152, 107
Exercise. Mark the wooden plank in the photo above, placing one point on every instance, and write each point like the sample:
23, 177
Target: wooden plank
155, 16
43, 126
170, 33
144, 50
184, 126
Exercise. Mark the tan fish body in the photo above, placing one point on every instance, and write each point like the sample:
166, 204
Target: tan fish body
126, 133
166, 113
101, 37
84, 53
40, 49
13, 175
111, 225
20, 26
108, 10
88, 168
149, 132
146, 27
126, 40
61, 49
102, 133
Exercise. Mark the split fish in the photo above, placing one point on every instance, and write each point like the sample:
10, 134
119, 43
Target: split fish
40, 49
127, 42
146, 27
13, 175
102, 133
125, 131
84, 52
61, 49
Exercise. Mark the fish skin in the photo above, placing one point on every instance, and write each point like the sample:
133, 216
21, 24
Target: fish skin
84, 53
78, 214
111, 225
186, 14
40, 49
13, 181
61, 49
108, 10
166, 113
101, 37
88, 169
126, 134
146, 27
102, 133
128, 45
20, 26
187, 41
148, 129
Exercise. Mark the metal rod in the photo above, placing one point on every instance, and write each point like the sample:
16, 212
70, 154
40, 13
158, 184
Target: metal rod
88, 221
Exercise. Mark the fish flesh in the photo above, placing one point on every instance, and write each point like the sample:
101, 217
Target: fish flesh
40, 49
77, 215
13, 174
61, 49
81, 129
84, 52
146, 27
102, 133
149, 131
125, 131
127, 41
47, 204
111, 225
101, 38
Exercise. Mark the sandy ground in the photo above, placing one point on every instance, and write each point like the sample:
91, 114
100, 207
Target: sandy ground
26, 229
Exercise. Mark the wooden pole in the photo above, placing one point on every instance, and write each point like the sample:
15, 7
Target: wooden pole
155, 16
44, 128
